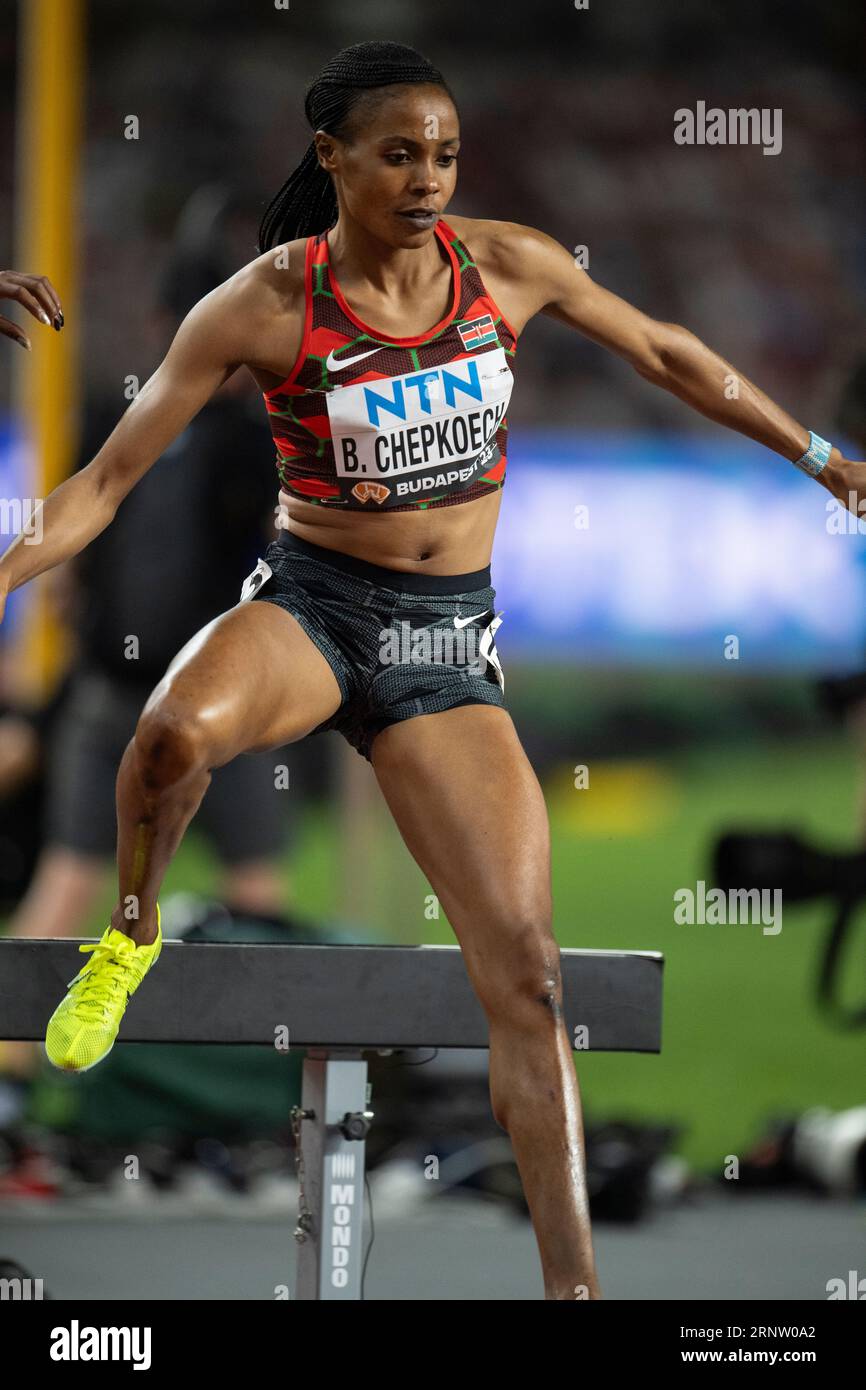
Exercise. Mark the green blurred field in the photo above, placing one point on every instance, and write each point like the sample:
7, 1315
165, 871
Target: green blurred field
742, 1036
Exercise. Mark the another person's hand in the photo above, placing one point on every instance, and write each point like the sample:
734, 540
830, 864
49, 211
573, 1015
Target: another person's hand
38, 296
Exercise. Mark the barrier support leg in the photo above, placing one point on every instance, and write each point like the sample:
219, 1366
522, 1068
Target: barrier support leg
330, 1132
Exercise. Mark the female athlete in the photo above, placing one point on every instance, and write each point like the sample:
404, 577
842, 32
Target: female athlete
383, 338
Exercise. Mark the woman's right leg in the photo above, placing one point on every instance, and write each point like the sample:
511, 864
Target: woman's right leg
250, 680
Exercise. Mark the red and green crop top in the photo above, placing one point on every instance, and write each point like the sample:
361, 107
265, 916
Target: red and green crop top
369, 422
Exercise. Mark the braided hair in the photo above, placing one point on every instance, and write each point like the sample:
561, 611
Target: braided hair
307, 201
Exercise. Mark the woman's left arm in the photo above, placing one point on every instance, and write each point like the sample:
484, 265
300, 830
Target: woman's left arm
670, 356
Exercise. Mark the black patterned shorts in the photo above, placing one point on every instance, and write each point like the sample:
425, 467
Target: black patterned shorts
399, 644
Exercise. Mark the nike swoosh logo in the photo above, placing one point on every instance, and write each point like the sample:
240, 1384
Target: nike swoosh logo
254, 581
461, 622
333, 365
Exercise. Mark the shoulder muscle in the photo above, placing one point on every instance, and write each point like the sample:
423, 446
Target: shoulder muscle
534, 266
552, 283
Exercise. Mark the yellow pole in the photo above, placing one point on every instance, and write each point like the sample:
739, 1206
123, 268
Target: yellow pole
46, 393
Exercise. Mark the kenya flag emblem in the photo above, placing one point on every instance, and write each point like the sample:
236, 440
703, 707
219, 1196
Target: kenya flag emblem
477, 332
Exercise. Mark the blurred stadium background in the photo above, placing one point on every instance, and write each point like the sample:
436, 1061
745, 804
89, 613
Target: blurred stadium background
693, 534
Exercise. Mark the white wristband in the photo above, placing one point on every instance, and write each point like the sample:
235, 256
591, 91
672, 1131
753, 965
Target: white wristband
814, 461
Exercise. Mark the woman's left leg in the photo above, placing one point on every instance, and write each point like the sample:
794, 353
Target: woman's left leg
472, 813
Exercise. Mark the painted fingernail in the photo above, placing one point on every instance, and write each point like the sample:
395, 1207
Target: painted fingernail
58, 322
22, 342
44, 317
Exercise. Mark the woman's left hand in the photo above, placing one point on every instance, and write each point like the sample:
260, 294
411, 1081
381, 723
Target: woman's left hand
846, 480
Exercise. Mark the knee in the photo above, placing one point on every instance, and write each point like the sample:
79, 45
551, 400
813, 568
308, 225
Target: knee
525, 985
169, 746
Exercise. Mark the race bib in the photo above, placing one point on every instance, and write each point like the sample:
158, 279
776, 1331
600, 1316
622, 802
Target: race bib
423, 434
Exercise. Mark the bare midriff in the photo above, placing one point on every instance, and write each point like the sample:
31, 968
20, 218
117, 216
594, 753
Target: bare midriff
457, 539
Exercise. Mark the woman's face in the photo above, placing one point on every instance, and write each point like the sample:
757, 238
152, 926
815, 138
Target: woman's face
400, 158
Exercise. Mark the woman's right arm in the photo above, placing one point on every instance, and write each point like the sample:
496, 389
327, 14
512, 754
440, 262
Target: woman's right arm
210, 344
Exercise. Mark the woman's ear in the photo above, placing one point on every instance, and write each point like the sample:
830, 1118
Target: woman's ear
326, 150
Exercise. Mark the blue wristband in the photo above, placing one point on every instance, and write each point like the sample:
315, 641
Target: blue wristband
815, 459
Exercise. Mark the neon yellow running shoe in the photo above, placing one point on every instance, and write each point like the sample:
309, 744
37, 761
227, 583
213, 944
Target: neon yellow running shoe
83, 1028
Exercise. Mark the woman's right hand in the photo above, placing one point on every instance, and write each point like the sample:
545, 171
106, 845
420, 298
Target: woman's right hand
38, 296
